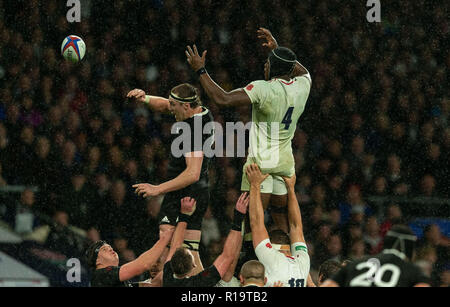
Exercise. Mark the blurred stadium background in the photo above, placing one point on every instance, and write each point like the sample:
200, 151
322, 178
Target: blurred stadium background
372, 148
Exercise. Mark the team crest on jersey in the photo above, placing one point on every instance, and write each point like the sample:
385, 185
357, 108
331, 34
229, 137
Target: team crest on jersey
249, 87
268, 245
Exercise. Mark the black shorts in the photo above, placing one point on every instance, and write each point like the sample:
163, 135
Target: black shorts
170, 208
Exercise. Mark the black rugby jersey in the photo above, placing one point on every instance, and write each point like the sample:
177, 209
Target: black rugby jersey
386, 269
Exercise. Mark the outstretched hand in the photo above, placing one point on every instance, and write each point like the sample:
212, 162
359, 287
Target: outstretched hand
147, 190
265, 34
188, 205
137, 94
242, 203
194, 58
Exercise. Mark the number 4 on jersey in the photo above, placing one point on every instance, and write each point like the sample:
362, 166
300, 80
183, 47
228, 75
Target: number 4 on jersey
287, 118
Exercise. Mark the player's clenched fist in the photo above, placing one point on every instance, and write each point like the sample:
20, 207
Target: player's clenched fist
137, 94
254, 174
242, 203
188, 205
146, 189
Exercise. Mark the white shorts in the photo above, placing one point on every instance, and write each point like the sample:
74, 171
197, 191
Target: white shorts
271, 185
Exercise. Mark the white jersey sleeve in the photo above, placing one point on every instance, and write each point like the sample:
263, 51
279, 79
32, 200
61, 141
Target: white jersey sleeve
259, 93
307, 77
299, 251
266, 254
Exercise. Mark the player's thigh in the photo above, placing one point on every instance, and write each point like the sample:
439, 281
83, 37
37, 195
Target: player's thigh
279, 187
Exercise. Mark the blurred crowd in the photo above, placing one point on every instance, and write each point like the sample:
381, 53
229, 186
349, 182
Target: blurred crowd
376, 122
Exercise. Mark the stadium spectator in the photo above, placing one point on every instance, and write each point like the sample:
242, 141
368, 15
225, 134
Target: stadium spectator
372, 237
21, 216
61, 239
334, 248
393, 216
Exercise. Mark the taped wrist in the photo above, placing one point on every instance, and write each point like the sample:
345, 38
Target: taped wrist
238, 219
201, 71
191, 244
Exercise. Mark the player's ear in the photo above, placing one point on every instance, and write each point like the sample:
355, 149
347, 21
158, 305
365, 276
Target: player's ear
241, 279
265, 280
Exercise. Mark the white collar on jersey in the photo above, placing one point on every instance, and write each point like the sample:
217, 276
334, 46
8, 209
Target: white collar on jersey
202, 113
395, 252
280, 247
250, 284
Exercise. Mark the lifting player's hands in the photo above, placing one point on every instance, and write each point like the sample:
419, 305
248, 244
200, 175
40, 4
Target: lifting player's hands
194, 59
278, 284
254, 175
146, 189
137, 94
188, 205
290, 182
265, 34
242, 203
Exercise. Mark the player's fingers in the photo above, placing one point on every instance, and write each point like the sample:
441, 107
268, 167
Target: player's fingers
204, 55
248, 169
191, 53
187, 54
131, 93
246, 200
241, 197
195, 50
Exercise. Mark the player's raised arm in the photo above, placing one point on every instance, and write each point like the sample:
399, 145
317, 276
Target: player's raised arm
189, 176
271, 43
300, 71
145, 261
295, 217
213, 90
233, 242
259, 231
187, 209
155, 103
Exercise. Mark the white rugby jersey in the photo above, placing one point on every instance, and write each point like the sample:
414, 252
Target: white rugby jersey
277, 106
292, 271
